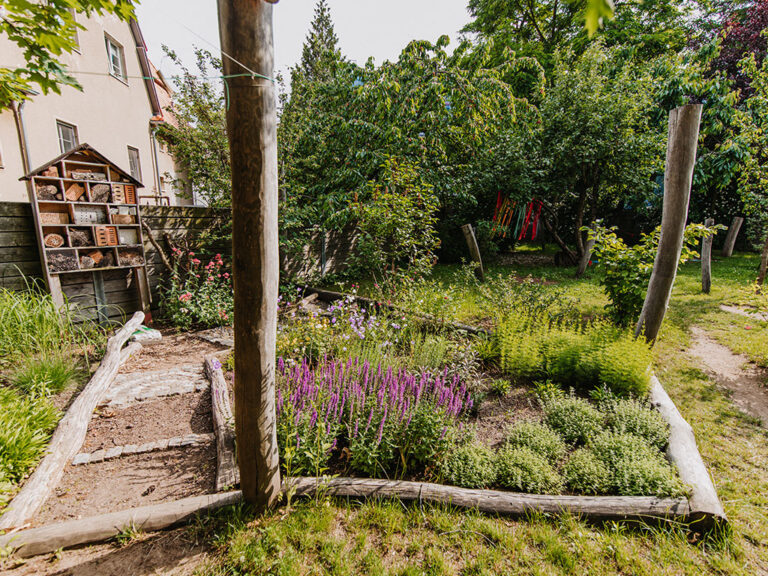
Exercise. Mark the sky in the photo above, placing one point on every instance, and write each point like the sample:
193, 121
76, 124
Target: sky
378, 28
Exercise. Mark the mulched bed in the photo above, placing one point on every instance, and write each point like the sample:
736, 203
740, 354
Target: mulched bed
176, 349
148, 421
131, 481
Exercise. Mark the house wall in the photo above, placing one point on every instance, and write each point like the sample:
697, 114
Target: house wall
110, 114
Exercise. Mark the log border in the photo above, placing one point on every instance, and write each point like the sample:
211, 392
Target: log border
227, 471
70, 432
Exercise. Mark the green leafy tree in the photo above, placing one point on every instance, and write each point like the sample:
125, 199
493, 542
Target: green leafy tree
198, 137
44, 31
596, 146
320, 53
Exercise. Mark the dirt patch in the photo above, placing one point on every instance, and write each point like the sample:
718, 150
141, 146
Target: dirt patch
172, 553
148, 421
497, 413
745, 381
174, 350
525, 259
753, 313
131, 481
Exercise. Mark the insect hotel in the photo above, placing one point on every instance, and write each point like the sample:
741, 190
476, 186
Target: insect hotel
88, 227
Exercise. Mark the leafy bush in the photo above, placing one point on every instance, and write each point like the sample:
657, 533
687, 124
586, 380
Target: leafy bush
25, 426
586, 474
538, 437
43, 376
564, 353
524, 470
468, 464
429, 351
634, 417
637, 468
520, 347
626, 270
625, 366
576, 420
196, 294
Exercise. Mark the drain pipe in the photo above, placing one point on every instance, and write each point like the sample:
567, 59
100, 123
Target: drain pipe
21, 130
153, 139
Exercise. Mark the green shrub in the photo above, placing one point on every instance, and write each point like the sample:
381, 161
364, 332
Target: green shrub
429, 351
563, 353
625, 367
637, 468
520, 347
43, 376
469, 465
576, 420
634, 417
586, 474
25, 426
538, 437
524, 470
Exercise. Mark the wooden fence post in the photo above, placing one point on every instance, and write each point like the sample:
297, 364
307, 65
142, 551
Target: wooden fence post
730, 238
681, 158
706, 258
585, 258
245, 28
474, 250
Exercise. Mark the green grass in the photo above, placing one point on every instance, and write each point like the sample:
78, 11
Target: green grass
346, 537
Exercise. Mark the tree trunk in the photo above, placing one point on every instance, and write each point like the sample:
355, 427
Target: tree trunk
584, 261
559, 241
474, 250
245, 27
730, 239
581, 206
706, 259
681, 158
763, 263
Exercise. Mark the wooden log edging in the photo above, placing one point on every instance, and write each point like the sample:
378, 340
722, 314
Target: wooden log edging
46, 539
331, 296
227, 471
705, 507
70, 433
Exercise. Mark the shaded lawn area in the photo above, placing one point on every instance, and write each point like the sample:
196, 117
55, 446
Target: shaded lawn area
346, 537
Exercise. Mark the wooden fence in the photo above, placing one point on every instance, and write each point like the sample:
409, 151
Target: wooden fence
20, 258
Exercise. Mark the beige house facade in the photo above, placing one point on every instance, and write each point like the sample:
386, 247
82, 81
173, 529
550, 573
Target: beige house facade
118, 111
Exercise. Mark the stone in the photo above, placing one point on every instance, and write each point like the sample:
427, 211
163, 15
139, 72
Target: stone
148, 447
175, 442
82, 458
98, 456
115, 452
130, 449
161, 445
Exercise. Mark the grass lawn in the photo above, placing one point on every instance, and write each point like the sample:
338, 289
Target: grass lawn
327, 536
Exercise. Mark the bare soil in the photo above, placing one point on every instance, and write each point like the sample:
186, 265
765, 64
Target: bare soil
497, 413
745, 381
148, 421
174, 350
172, 553
131, 481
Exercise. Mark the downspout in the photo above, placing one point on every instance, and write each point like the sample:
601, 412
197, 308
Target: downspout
153, 140
21, 130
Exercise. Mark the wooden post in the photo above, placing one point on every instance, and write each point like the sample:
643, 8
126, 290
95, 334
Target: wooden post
584, 262
245, 28
730, 238
474, 250
763, 263
681, 158
100, 296
706, 259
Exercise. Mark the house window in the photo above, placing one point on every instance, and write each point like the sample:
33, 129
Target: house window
116, 58
134, 163
67, 136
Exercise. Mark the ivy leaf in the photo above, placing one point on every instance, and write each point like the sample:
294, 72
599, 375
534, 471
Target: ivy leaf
595, 12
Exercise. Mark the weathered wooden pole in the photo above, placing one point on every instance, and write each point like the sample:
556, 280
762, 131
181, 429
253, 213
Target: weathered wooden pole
681, 158
474, 250
245, 28
585, 258
706, 258
730, 238
763, 264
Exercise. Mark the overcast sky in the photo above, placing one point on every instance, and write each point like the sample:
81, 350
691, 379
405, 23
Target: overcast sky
378, 28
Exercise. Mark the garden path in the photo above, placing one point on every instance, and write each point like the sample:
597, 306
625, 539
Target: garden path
150, 441
745, 381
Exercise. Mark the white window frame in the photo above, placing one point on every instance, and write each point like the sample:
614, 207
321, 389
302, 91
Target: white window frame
75, 141
137, 173
115, 53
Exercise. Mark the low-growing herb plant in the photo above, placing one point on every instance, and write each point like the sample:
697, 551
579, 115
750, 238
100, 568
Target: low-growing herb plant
538, 437
575, 419
635, 417
523, 470
584, 473
468, 464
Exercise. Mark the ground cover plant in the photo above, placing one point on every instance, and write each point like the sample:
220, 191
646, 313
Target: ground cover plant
43, 352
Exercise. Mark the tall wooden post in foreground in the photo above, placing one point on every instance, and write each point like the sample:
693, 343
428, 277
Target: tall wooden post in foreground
681, 158
706, 258
730, 238
245, 28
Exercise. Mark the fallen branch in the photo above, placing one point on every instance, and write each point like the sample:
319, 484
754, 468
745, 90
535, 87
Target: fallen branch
70, 433
227, 472
158, 248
